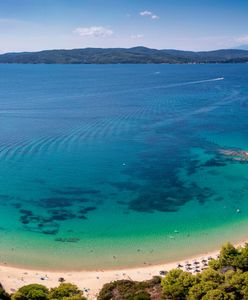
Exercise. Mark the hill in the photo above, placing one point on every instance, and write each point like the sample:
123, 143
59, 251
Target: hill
136, 55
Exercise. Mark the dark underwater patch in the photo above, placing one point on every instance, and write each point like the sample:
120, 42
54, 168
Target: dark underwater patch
67, 240
85, 210
50, 232
5, 199
151, 202
53, 202
169, 200
74, 191
217, 199
17, 205
121, 202
37, 223
122, 186
26, 212
54, 214
213, 172
83, 217
193, 166
164, 188
61, 215
214, 162
43, 228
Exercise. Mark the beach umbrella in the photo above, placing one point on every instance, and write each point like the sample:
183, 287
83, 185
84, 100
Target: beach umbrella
196, 271
163, 272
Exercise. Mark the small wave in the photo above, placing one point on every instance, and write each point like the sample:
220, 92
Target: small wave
233, 97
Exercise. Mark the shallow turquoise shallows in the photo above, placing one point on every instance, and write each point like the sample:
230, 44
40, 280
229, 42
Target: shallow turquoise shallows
106, 166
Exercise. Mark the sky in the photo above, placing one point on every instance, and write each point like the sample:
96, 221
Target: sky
33, 25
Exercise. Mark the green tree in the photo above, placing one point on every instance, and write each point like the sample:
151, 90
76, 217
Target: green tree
197, 291
212, 275
218, 294
229, 255
214, 264
242, 284
31, 292
141, 295
131, 290
66, 291
176, 284
3, 294
106, 291
242, 259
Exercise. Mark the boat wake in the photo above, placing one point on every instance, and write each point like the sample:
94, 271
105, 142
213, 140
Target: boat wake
186, 83
203, 81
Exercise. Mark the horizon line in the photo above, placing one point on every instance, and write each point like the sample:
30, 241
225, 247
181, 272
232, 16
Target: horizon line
126, 48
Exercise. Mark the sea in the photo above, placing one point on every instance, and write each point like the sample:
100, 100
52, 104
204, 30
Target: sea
111, 166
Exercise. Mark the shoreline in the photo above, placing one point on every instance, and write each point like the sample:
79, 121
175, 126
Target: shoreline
12, 278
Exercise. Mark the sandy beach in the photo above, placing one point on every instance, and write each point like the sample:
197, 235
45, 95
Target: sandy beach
89, 281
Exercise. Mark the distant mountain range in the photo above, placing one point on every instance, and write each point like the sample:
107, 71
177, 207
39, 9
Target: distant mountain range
136, 55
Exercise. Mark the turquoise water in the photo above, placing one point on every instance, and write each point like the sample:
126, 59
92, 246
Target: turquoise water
121, 165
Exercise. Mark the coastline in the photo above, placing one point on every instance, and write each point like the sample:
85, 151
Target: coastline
12, 278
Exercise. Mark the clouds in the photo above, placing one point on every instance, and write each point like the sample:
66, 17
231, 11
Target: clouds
154, 17
94, 31
164, 24
9, 21
104, 32
242, 39
137, 36
150, 14
145, 13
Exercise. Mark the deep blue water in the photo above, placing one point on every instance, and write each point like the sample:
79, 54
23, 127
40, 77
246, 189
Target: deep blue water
109, 159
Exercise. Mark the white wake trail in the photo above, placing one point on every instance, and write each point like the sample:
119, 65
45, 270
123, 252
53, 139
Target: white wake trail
186, 83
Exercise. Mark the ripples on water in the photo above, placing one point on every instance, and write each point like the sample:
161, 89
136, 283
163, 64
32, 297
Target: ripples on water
94, 152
